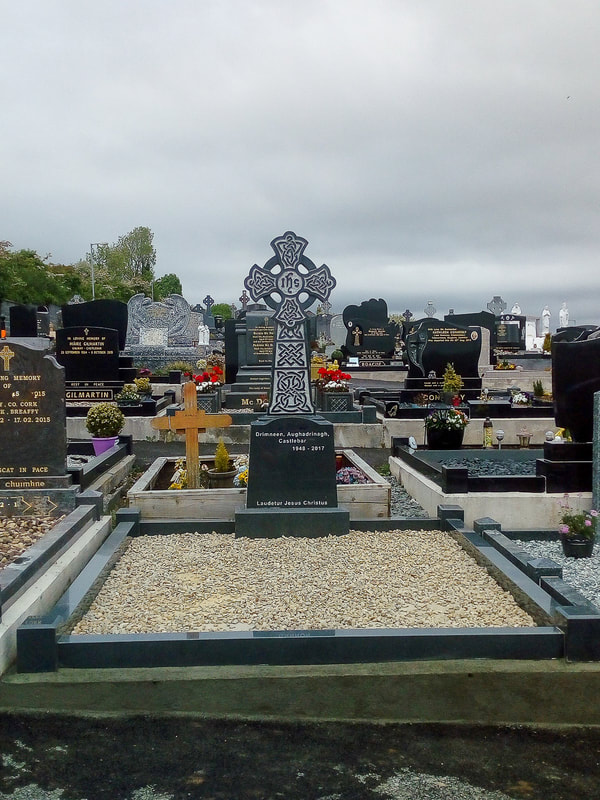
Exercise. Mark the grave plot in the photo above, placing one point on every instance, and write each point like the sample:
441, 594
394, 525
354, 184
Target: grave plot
183, 612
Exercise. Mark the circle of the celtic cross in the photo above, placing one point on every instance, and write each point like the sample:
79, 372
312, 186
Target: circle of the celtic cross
290, 284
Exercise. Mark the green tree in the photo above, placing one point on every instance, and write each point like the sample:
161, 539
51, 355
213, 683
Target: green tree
221, 309
124, 268
27, 278
139, 252
168, 284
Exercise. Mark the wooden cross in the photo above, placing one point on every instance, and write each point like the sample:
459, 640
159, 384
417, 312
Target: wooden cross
191, 421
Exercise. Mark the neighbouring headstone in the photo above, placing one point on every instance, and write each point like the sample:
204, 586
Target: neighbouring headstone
510, 332
432, 344
291, 480
370, 336
98, 314
249, 342
88, 354
33, 477
575, 379
163, 332
23, 321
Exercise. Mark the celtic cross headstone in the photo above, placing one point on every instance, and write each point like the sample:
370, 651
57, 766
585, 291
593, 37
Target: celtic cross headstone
209, 303
289, 283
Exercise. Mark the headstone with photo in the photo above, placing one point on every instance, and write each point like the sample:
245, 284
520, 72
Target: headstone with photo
432, 344
33, 474
370, 336
291, 482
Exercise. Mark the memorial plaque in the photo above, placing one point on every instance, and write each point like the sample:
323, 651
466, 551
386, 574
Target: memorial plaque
88, 354
260, 335
293, 464
32, 417
98, 314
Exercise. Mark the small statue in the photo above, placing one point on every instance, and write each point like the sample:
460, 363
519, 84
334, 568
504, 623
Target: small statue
545, 321
563, 316
516, 309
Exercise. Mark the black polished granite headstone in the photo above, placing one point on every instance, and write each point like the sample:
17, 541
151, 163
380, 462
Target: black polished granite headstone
370, 335
88, 354
98, 314
291, 484
293, 463
480, 319
432, 344
575, 378
23, 321
510, 331
33, 476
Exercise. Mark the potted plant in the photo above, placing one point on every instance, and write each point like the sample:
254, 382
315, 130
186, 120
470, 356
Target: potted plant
104, 421
577, 531
143, 386
452, 384
446, 428
222, 474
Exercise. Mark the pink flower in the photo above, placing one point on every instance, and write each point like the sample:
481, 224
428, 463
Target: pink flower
593, 513
588, 523
563, 528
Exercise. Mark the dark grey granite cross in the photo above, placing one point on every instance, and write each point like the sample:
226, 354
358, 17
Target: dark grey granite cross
289, 283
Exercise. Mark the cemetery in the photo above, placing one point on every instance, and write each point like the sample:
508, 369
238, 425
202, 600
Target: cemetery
273, 543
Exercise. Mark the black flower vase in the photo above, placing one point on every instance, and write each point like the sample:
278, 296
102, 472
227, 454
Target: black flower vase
445, 439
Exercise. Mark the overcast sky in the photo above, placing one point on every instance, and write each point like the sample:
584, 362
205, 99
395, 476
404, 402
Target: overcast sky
442, 150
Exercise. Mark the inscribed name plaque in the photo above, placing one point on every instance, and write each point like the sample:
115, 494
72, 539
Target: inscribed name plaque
293, 464
432, 344
32, 417
260, 335
88, 354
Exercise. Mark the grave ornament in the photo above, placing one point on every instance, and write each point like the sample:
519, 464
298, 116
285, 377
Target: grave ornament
289, 283
191, 421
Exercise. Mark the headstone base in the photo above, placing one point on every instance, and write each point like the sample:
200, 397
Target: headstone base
256, 523
33, 502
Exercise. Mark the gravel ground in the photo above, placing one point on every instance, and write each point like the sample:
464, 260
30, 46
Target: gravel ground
19, 533
481, 467
211, 582
402, 504
582, 573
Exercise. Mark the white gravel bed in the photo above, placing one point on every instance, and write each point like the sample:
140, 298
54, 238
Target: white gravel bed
581, 573
214, 582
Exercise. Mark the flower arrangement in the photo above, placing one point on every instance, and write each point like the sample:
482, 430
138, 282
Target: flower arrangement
521, 399
577, 525
209, 380
128, 396
179, 477
332, 379
104, 420
347, 475
240, 464
449, 419
505, 365
216, 360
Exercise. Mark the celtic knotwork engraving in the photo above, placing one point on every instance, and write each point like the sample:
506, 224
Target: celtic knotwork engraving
290, 394
295, 334
259, 283
292, 353
289, 248
290, 312
320, 282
